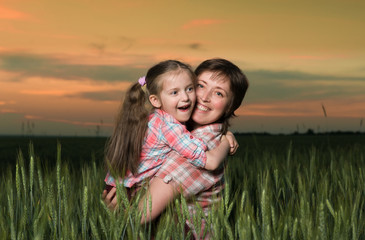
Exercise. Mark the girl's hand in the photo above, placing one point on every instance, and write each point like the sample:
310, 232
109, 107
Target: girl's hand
232, 143
110, 199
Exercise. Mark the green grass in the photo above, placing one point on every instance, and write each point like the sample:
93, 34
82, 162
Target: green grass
277, 188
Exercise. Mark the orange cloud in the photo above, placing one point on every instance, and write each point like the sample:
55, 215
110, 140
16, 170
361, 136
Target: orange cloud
32, 117
45, 92
312, 57
64, 36
8, 111
6, 13
202, 22
7, 102
54, 87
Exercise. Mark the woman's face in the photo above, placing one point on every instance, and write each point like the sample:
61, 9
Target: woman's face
213, 95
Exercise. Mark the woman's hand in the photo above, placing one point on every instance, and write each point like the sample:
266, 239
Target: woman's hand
232, 143
110, 199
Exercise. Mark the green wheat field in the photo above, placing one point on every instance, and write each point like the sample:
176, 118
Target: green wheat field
277, 187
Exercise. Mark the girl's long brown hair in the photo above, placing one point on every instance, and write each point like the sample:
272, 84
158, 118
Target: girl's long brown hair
122, 150
124, 147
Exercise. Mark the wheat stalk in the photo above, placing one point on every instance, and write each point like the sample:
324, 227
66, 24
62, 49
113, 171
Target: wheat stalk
322, 222
84, 211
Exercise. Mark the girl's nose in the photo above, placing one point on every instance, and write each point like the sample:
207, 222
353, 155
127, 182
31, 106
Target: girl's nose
185, 96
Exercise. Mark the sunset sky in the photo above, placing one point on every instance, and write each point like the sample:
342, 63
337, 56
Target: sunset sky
64, 65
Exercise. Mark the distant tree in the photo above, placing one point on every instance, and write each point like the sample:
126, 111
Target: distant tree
97, 131
98, 128
30, 126
23, 128
310, 131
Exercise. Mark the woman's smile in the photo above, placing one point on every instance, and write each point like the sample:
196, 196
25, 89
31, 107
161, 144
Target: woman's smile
201, 107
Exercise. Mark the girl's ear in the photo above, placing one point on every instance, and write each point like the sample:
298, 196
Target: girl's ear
155, 101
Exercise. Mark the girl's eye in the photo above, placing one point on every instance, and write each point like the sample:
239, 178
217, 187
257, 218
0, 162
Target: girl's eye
190, 89
173, 93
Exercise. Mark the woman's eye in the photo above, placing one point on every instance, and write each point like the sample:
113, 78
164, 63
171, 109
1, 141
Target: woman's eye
200, 86
219, 94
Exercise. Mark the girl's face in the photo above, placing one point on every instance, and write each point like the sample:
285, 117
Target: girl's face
177, 96
213, 96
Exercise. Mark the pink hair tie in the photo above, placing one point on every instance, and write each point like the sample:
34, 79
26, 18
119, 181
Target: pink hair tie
142, 81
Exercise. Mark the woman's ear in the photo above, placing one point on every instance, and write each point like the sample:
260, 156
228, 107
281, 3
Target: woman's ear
155, 101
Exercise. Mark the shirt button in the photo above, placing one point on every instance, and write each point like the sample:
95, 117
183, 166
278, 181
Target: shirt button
167, 179
191, 137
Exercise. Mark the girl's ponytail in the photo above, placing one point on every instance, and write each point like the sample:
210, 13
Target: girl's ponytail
125, 145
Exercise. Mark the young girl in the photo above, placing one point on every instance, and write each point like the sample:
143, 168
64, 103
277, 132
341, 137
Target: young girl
221, 89
142, 140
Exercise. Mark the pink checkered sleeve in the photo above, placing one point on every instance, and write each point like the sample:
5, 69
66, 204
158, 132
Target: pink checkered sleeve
183, 142
109, 180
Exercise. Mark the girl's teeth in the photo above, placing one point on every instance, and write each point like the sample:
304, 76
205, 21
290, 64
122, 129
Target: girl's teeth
184, 107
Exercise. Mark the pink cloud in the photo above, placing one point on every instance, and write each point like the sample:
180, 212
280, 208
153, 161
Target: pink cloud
6, 13
202, 22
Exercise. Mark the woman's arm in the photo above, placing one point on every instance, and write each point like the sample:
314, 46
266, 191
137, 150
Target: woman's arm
232, 142
160, 194
216, 156
227, 146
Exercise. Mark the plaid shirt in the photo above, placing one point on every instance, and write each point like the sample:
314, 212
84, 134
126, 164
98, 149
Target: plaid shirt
164, 135
193, 180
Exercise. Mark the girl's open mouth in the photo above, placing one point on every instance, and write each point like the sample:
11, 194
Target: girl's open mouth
184, 107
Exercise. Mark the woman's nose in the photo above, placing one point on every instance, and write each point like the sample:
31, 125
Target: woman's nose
205, 96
